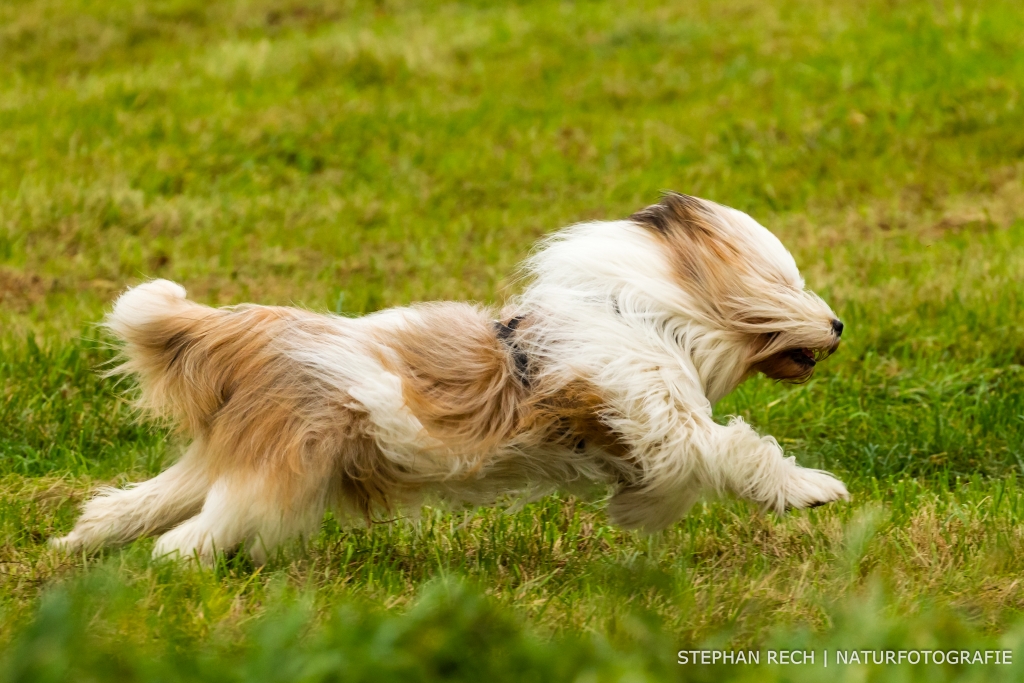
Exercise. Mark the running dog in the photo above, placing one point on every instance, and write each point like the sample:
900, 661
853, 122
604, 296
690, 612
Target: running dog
603, 371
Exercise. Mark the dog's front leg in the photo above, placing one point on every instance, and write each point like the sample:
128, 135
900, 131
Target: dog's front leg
684, 454
753, 467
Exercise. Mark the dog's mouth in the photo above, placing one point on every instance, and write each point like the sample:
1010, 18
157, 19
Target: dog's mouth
794, 364
803, 357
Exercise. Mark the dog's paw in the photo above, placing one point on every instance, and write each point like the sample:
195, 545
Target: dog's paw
186, 543
72, 543
807, 488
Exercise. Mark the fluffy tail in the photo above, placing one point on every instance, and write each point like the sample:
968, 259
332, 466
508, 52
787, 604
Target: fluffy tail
186, 356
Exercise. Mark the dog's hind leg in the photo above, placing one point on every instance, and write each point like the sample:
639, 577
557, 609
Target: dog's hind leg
117, 516
251, 512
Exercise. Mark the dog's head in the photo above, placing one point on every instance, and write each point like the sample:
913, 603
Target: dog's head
743, 286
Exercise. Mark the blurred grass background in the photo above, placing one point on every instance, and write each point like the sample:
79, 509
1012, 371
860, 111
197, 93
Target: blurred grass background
349, 156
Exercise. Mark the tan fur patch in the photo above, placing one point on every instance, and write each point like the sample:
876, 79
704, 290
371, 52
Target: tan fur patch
458, 377
191, 363
461, 382
221, 375
365, 480
701, 255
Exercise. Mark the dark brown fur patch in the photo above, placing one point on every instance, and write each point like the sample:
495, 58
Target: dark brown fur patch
672, 212
701, 255
571, 417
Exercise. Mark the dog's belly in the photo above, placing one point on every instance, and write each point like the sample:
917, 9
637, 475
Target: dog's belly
526, 475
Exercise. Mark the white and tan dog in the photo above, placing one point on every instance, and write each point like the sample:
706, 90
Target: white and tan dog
603, 371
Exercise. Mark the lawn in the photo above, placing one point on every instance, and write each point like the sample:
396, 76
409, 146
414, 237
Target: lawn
349, 156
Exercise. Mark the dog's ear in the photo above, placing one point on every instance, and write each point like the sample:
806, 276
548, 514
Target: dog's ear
699, 247
674, 212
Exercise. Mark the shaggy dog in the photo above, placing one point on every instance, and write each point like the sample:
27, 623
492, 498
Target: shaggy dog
604, 370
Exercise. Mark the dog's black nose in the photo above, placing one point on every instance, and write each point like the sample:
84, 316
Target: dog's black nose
837, 327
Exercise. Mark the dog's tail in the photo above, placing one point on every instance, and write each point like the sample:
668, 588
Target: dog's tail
187, 357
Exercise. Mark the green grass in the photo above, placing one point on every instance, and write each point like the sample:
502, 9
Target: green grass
353, 156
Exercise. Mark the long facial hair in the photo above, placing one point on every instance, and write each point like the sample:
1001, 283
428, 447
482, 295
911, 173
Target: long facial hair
744, 285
